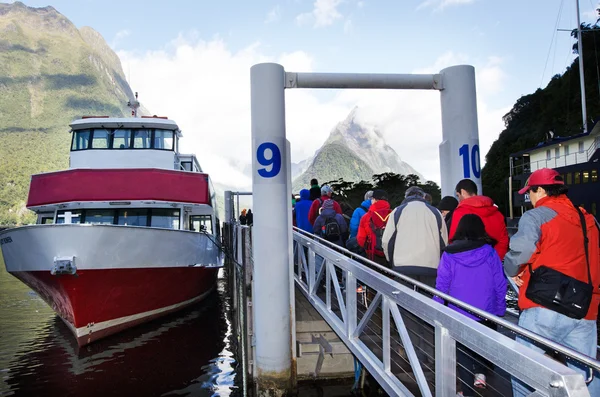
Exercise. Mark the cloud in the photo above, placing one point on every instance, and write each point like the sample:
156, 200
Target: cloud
439, 5
205, 87
274, 15
324, 13
348, 26
121, 34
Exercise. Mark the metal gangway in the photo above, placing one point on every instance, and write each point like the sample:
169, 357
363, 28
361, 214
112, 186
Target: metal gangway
409, 343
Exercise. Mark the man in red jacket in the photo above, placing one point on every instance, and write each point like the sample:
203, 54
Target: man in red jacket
482, 206
552, 235
372, 226
326, 193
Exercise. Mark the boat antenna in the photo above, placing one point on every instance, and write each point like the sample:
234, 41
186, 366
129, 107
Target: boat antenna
581, 76
134, 105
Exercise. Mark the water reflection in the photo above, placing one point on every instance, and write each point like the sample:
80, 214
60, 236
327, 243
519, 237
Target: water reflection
187, 353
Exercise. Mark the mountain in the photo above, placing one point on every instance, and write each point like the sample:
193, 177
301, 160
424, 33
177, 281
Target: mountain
557, 107
51, 72
353, 151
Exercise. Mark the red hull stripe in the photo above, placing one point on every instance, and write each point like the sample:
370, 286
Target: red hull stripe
101, 296
118, 184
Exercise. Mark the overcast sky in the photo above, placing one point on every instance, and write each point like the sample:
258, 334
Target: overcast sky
190, 61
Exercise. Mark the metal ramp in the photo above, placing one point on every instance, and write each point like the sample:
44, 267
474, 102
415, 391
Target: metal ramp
412, 345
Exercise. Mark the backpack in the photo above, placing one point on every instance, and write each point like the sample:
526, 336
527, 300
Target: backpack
377, 244
331, 230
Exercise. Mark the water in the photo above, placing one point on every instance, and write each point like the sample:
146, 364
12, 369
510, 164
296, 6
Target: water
184, 354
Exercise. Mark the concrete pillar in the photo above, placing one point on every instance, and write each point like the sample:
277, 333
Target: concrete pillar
272, 260
228, 213
459, 150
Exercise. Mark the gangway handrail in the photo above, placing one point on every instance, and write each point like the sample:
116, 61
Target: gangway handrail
575, 355
547, 376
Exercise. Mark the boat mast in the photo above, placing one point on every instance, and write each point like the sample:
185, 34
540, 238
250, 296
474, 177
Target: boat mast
581, 76
134, 105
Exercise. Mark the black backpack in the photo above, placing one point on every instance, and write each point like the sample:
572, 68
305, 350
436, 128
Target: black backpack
331, 230
378, 233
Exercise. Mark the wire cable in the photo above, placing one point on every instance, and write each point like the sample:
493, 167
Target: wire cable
560, 8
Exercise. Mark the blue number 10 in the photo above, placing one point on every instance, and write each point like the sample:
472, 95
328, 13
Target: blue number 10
473, 163
274, 160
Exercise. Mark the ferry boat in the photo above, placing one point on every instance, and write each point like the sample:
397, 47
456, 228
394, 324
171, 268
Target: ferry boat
128, 233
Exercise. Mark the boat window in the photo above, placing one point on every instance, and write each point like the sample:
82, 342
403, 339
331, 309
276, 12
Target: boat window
581, 147
548, 155
557, 152
569, 178
187, 165
566, 150
593, 209
166, 218
586, 176
81, 140
69, 216
47, 220
133, 217
142, 139
163, 139
100, 139
121, 139
594, 175
577, 177
199, 223
99, 217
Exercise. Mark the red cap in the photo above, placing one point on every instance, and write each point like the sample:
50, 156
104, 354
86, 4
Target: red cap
543, 176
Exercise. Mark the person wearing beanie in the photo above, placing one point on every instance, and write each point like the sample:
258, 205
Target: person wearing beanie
330, 225
326, 193
372, 225
414, 237
447, 206
315, 189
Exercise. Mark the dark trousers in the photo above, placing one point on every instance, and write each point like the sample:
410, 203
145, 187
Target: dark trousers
470, 363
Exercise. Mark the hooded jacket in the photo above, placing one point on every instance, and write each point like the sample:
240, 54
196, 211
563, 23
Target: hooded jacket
315, 192
302, 208
379, 212
357, 215
551, 234
471, 271
328, 212
492, 218
414, 237
313, 213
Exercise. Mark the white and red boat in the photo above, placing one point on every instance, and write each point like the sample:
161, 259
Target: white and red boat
128, 233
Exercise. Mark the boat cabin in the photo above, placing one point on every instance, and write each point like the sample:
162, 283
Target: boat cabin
127, 171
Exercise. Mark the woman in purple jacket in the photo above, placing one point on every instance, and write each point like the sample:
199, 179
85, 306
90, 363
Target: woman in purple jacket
470, 270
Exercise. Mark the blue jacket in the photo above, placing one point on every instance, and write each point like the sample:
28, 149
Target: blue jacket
330, 213
302, 208
471, 271
356, 215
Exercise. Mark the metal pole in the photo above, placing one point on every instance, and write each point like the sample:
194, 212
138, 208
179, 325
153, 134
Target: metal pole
228, 213
459, 150
581, 74
363, 81
237, 217
272, 261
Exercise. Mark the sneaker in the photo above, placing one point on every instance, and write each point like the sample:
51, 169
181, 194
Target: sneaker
480, 381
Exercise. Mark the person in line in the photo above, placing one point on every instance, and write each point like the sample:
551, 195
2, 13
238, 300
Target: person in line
330, 225
302, 208
372, 225
249, 217
470, 203
359, 212
428, 198
243, 217
552, 236
447, 206
471, 271
414, 237
326, 193
315, 189
294, 210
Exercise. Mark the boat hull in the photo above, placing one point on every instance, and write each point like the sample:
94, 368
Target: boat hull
123, 276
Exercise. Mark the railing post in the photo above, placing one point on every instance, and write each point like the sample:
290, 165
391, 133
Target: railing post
445, 362
311, 268
351, 318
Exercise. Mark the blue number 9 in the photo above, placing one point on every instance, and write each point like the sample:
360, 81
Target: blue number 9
274, 161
